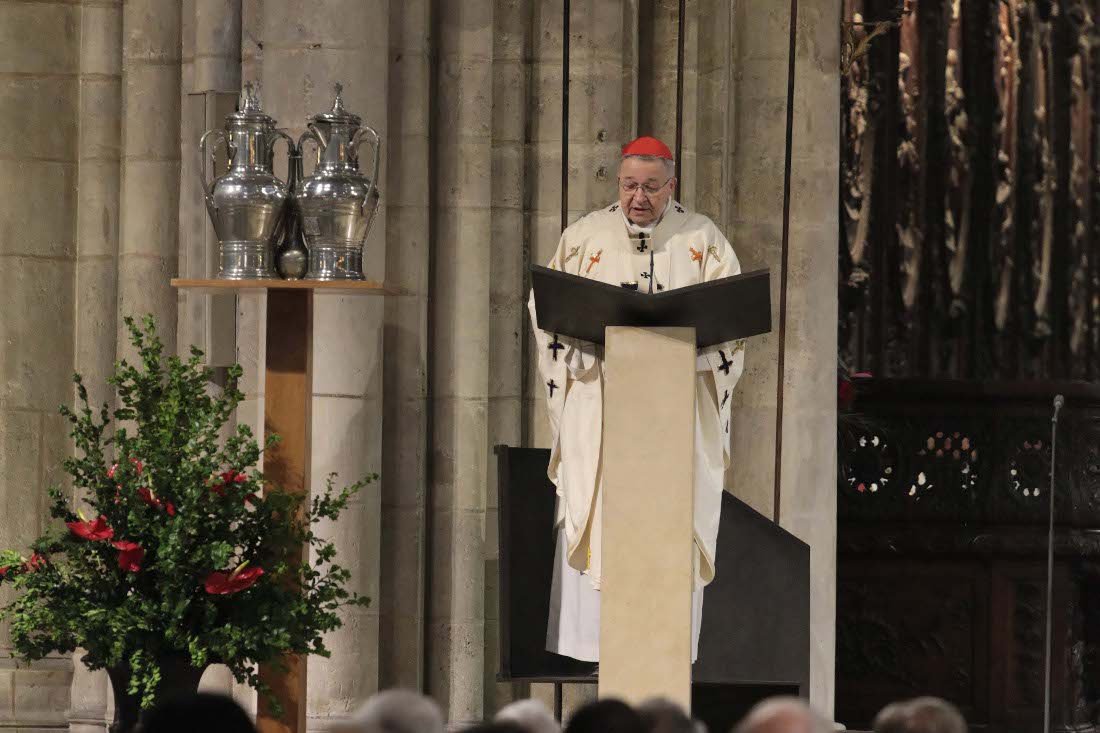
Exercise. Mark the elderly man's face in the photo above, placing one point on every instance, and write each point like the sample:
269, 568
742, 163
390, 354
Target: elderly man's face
645, 186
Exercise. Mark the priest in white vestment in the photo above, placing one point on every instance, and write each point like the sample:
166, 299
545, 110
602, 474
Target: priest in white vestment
647, 241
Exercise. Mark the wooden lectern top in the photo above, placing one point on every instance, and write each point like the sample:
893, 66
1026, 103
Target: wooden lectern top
720, 310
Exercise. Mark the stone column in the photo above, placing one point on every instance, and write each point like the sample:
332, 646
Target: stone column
461, 346
148, 246
807, 505
39, 108
808, 500
507, 302
211, 51
405, 407
307, 47
97, 213
602, 116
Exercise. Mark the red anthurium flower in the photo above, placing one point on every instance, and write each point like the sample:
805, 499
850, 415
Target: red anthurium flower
37, 562
170, 508
222, 582
3, 572
92, 531
130, 555
228, 479
149, 497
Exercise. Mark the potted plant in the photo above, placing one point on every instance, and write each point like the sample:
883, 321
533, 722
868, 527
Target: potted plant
171, 551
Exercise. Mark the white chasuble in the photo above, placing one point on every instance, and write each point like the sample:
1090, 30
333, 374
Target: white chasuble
684, 248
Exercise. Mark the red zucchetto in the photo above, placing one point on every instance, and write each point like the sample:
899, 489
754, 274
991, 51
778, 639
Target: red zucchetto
647, 146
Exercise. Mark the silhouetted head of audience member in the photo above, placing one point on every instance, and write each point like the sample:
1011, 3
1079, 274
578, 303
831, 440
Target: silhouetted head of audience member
920, 715
606, 716
783, 715
199, 711
530, 715
395, 711
661, 715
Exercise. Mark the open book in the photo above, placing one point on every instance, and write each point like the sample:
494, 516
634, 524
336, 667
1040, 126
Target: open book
720, 310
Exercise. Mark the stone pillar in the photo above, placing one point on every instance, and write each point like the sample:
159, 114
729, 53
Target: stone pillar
602, 116
807, 505
507, 304
97, 213
808, 500
461, 346
307, 47
148, 246
405, 407
211, 52
39, 109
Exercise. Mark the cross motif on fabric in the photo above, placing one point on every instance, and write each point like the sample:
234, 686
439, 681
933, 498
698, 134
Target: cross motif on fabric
660, 286
726, 363
556, 346
679, 209
552, 387
725, 398
696, 255
614, 207
642, 246
645, 275
593, 260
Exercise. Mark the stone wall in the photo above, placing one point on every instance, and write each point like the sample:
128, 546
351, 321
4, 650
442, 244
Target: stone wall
100, 104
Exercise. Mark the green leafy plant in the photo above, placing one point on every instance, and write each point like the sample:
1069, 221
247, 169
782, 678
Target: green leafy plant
175, 545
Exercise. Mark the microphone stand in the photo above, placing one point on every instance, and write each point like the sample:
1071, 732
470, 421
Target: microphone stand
1059, 401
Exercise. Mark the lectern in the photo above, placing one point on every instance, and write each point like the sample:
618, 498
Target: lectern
650, 343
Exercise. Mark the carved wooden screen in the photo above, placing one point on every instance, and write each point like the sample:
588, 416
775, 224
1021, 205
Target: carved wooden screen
970, 217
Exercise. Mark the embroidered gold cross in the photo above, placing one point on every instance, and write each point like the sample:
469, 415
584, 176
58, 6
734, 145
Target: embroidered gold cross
696, 255
593, 260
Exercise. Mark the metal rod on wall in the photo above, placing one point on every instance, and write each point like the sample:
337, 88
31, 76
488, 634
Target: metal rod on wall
558, 696
431, 365
680, 33
565, 115
784, 261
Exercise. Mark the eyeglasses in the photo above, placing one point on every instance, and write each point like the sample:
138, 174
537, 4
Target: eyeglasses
648, 189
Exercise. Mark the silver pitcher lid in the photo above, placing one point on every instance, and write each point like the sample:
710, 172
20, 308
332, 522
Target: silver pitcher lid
337, 115
248, 107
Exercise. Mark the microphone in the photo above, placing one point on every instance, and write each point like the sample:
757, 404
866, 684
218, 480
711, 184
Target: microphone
1059, 402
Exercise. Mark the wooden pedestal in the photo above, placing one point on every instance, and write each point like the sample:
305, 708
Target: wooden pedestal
648, 507
288, 384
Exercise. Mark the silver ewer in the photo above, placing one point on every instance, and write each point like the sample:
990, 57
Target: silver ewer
337, 202
247, 203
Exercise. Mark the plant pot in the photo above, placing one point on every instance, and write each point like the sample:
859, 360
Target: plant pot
177, 677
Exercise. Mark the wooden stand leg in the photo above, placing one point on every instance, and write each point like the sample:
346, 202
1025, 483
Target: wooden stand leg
287, 397
648, 507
